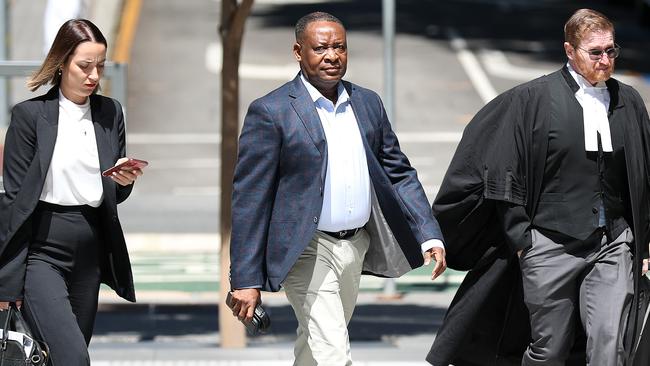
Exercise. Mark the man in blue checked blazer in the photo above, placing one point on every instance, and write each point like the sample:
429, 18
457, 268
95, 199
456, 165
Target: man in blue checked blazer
322, 193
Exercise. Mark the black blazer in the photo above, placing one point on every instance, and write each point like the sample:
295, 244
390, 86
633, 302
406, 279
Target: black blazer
29, 145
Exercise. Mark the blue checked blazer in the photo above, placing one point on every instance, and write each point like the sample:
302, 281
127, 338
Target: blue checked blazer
278, 189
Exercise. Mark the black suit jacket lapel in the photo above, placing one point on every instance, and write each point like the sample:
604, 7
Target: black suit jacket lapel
47, 128
102, 122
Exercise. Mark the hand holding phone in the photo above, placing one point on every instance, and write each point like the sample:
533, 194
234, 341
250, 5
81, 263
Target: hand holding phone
128, 164
261, 320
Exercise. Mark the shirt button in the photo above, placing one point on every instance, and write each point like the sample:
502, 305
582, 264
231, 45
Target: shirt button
315, 219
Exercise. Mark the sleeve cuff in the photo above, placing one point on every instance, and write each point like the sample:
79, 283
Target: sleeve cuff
432, 243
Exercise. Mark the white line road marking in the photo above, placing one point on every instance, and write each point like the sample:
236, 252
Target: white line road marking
213, 60
472, 67
497, 64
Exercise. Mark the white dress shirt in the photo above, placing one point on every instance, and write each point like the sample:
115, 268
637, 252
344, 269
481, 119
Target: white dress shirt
595, 103
346, 196
73, 177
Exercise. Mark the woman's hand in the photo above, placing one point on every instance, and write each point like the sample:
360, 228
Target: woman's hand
127, 175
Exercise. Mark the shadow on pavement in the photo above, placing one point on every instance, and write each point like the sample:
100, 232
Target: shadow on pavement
370, 322
532, 27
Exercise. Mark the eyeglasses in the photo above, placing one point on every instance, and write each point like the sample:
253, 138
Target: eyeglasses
596, 54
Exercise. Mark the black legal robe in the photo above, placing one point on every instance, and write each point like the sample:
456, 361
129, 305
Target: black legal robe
501, 157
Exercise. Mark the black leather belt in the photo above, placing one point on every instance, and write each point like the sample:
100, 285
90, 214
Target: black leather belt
343, 234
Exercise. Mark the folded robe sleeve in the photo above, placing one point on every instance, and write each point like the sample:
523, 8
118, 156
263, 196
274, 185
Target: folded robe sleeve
516, 225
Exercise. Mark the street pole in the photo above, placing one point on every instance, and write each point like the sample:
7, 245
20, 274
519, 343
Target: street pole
4, 115
4, 99
388, 28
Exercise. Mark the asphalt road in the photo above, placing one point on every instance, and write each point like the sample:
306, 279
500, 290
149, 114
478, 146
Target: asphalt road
451, 57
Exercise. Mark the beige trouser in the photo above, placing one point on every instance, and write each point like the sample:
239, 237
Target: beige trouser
322, 288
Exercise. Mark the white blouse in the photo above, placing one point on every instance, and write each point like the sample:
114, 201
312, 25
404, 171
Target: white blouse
73, 177
346, 196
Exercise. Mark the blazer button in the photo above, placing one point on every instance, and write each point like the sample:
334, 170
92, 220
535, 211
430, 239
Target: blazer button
315, 220
594, 210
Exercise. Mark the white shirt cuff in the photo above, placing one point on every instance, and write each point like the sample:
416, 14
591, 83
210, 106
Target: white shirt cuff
432, 243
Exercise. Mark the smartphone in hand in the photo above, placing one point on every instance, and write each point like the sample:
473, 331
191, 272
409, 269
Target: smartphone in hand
261, 320
130, 163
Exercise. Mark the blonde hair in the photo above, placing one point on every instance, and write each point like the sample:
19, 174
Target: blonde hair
70, 35
584, 21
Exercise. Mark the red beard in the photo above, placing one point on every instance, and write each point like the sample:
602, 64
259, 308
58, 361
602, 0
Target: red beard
593, 71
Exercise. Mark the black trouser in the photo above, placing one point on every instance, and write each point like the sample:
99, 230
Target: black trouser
62, 280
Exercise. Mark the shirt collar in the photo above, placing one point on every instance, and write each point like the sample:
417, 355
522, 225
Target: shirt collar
582, 82
316, 95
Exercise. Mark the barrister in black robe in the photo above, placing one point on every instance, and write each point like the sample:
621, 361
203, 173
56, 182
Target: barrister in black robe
492, 195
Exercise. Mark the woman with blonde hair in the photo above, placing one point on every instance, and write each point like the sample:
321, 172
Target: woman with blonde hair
59, 231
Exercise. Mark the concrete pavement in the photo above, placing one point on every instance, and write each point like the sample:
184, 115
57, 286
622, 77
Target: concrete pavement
382, 333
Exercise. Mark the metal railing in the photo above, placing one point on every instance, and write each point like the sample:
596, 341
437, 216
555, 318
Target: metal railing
115, 72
